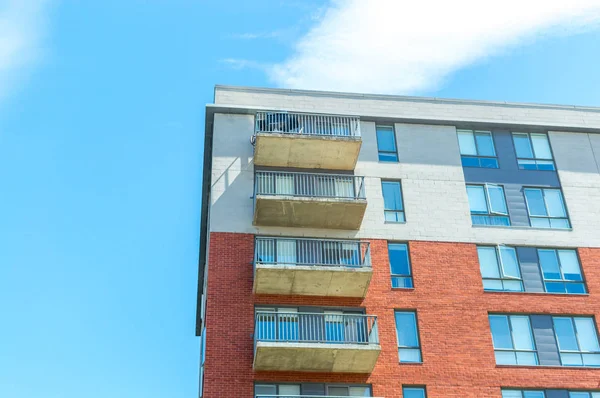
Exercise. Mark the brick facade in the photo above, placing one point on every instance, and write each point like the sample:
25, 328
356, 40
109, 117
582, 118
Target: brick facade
452, 308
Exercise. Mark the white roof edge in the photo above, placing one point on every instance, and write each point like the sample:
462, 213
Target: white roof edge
401, 98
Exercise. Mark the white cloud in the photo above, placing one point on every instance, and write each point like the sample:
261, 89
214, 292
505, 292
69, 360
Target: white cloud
405, 46
21, 26
238, 63
256, 35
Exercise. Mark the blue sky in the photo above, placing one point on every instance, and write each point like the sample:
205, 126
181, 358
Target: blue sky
101, 128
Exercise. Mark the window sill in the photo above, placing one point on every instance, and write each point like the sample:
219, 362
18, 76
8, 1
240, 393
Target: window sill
403, 289
537, 294
549, 367
394, 222
410, 363
521, 227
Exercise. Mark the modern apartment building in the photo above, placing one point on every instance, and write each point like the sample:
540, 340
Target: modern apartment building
386, 246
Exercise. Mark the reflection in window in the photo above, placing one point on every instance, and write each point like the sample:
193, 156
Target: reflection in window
513, 340
392, 201
409, 349
546, 208
477, 149
488, 205
413, 392
500, 269
523, 394
386, 144
577, 341
561, 271
533, 151
400, 265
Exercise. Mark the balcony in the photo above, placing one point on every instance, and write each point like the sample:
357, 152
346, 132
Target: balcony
311, 267
310, 141
314, 342
286, 199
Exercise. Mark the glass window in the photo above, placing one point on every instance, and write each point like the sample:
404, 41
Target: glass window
269, 390
488, 205
577, 341
500, 269
546, 208
392, 201
533, 151
409, 349
386, 144
400, 265
413, 392
513, 340
523, 394
583, 394
561, 271
477, 149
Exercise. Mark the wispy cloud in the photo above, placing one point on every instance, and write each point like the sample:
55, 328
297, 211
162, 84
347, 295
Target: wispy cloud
21, 27
257, 35
400, 46
238, 63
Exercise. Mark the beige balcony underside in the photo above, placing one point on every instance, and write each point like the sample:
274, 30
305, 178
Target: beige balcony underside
335, 281
316, 357
306, 151
290, 211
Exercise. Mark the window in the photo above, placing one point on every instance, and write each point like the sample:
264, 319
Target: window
409, 349
513, 340
500, 268
392, 201
546, 208
202, 360
577, 341
477, 149
413, 392
264, 390
533, 151
583, 394
488, 205
386, 144
268, 390
561, 271
400, 265
523, 394
348, 391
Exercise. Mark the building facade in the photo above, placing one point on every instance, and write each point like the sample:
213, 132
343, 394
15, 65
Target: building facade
386, 246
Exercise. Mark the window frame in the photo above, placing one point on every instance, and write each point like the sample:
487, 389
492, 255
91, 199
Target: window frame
548, 217
478, 156
379, 151
576, 335
512, 338
417, 347
414, 387
500, 265
491, 214
534, 159
396, 212
590, 394
522, 391
277, 386
564, 281
409, 276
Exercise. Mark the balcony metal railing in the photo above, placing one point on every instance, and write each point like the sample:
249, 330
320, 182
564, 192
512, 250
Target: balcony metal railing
306, 123
340, 186
311, 252
300, 327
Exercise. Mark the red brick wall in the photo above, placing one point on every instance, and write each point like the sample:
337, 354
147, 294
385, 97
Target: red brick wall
458, 357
